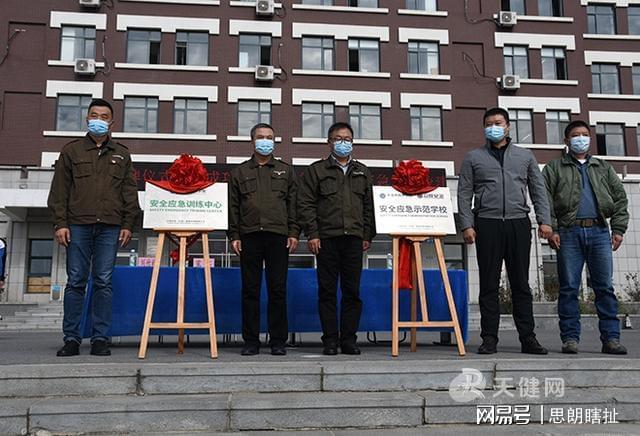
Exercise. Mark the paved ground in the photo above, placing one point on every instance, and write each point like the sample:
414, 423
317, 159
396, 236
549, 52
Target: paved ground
40, 347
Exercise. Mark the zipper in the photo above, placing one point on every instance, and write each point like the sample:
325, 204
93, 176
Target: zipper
504, 196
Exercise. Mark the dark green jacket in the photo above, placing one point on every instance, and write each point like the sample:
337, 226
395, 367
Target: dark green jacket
331, 203
94, 185
263, 198
564, 187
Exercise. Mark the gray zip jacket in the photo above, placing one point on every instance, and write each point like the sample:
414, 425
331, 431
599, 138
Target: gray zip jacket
501, 191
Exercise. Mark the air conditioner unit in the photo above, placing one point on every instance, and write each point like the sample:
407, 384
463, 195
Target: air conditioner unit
510, 82
90, 3
85, 67
264, 73
507, 18
265, 7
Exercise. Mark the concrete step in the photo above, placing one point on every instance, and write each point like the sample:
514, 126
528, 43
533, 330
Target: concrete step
292, 411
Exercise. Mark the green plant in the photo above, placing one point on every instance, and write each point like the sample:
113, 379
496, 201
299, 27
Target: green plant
632, 288
551, 288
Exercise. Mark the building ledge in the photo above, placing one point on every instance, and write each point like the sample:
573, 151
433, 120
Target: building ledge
251, 70
59, 63
166, 67
372, 142
413, 143
301, 140
135, 135
545, 18
599, 36
250, 4
247, 138
549, 82
620, 158
380, 75
543, 146
179, 2
423, 13
615, 96
425, 76
340, 9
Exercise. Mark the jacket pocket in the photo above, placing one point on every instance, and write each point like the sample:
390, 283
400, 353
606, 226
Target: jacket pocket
328, 186
82, 168
358, 183
278, 184
248, 185
116, 170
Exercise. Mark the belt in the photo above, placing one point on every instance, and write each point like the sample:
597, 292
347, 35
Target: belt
588, 222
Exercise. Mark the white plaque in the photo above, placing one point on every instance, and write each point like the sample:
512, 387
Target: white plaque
420, 214
204, 209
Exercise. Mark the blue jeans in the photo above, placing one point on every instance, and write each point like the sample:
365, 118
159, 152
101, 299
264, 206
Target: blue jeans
593, 246
93, 248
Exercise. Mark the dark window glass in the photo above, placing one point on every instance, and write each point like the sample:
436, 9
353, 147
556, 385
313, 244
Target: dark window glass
426, 123
72, 112
40, 257
316, 119
601, 19
143, 46
366, 121
521, 126
516, 61
554, 63
610, 138
605, 79
192, 48
556, 122
423, 57
190, 116
141, 114
252, 112
550, 8
364, 55
317, 53
254, 50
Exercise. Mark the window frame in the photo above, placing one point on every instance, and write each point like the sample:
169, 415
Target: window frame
84, 38
260, 113
150, 41
633, 11
422, 48
32, 257
600, 74
185, 115
188, 44
508, 5
602, 135
515, 125
558, 124
323, 49
358, 126
262, 54
324, 123
593, 18
420, 118
362, 52
557, 8
559, 63
147, 110
81, 111
510, 59
429, 5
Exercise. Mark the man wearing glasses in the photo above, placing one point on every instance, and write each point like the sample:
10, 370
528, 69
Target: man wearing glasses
336, 211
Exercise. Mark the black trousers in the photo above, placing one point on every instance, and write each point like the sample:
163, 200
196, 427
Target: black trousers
508, 240
340, 257
271, 249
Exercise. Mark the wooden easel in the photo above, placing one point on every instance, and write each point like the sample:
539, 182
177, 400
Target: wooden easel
180, 324
419, 288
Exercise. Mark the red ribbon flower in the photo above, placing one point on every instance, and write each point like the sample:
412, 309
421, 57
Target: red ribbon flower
186, 175
410, 178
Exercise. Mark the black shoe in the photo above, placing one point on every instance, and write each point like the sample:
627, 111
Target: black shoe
613, 346
100, 348
278, 350
532, 346
250, 350
350, 349
70, 348
489, 346
330, 350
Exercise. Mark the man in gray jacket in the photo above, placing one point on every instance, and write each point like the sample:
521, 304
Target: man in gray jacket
497, 176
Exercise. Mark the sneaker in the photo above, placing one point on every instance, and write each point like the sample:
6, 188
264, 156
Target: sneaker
613, 346
532, 346
100, 348
489, 345
570, 346
70, 348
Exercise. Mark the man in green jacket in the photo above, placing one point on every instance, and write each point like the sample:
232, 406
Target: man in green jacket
94, 202
584, 192
263, 231
336, 212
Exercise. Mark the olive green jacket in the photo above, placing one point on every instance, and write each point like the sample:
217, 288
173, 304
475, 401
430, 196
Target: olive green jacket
332, 203
93, 185
263, 198
564, 187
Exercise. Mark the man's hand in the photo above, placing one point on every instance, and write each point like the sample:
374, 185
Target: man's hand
292, 244
125, 237
554, 241
63, 236
366, 245
616, 241
236, 246
314, 245
1, 284
469, 235
545, 231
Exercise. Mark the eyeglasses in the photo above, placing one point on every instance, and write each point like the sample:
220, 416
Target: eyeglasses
340, 138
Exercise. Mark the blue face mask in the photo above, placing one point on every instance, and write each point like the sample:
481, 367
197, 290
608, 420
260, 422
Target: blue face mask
494, 133
580, 144
264, 146
342, 148
98, 127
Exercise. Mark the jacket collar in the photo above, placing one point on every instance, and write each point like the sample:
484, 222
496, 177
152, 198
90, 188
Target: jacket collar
90, 143
254, 162
568, 159
489, 147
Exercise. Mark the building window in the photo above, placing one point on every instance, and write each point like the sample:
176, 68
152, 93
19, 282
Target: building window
316, 119
556, 122
190, 116
364, 55
366, 121
317, 53
516, 61
72, 112
141, 114
521, 126
635, 71
40, 257
605, 79
554, 63
364, 3
192, 48
426, 123
422, 5
254, 50
77, 43
318, 2
601, 19
424, 57
634, 20
516, 6
143, 46
252, 112
550, 8
610, 138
